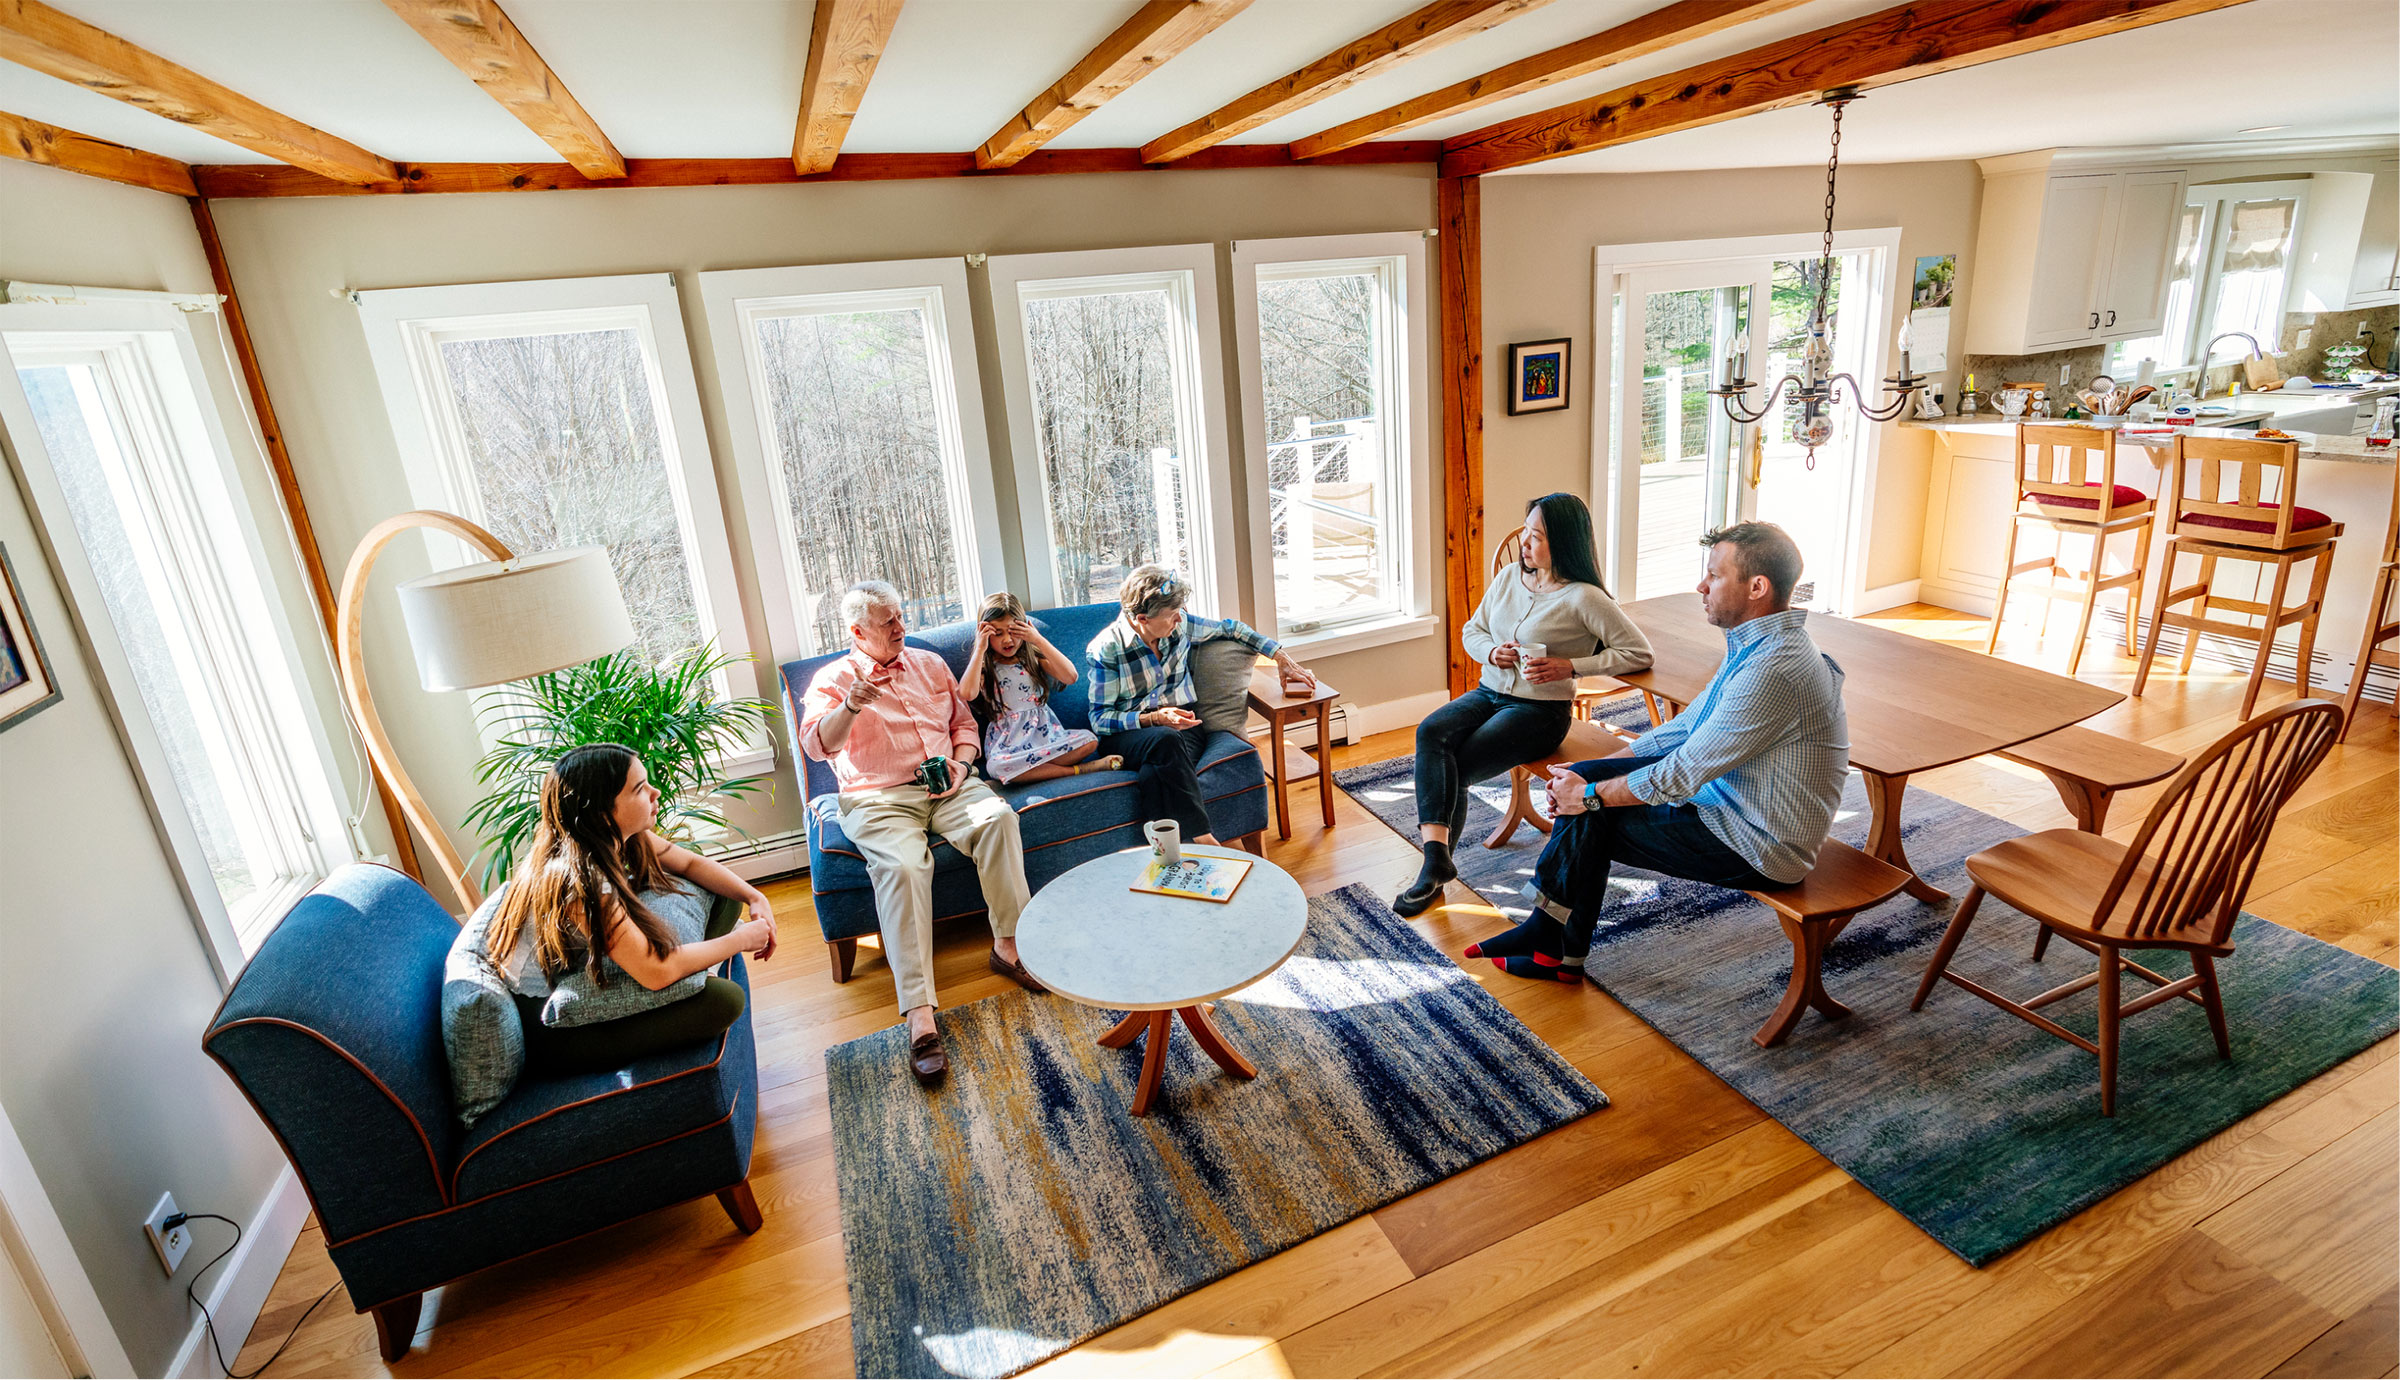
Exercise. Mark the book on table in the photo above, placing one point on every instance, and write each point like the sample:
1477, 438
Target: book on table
1197, 877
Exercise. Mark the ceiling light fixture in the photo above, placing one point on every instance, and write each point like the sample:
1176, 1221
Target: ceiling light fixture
2264, 129
1817, 385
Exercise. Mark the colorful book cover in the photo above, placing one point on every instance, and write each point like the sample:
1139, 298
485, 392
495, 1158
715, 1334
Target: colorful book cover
1197, 877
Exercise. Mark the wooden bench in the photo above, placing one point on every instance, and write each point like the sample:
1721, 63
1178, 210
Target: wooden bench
2089, 768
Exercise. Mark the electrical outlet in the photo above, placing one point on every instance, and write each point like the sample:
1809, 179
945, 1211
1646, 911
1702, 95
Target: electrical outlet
2301, 341
170, 1243
2363, 329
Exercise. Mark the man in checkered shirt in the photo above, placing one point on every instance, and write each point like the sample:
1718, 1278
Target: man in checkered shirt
1737, 791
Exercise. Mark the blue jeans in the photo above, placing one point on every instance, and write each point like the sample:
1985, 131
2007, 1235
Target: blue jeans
1572, 875
1476, 737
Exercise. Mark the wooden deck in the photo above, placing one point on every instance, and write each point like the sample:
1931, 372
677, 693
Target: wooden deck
1680, 1232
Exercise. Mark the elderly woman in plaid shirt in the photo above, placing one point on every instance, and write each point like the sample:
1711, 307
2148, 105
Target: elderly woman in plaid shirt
1141, 688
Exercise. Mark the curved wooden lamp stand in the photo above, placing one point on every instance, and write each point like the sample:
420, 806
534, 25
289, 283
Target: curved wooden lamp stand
350, 618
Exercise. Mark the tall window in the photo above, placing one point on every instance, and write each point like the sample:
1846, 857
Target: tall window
2231, 272
564, 414
858, 459
1331, 359
129, 459
1115, 396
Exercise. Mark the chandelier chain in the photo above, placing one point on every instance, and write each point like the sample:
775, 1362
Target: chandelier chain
1833, 166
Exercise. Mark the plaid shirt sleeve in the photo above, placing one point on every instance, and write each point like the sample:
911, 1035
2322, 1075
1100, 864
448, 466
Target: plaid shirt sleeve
1200, 630
1115, 708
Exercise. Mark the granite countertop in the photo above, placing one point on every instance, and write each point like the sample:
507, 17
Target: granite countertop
2313, 445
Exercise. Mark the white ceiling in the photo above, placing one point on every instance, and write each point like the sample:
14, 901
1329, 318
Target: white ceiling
721, 79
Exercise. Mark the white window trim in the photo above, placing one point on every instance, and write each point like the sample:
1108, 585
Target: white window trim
198, 398
404, 327
1415, 522
734, 300
1188, 274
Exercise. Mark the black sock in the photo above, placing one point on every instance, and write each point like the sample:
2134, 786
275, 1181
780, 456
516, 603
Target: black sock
1438, 867
1537, 934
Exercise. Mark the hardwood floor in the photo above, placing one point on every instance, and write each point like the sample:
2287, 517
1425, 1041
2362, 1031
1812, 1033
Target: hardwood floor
1680, 1231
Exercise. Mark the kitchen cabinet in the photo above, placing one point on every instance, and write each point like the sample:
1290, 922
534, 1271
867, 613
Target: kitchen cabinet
2068, 257
2349, 252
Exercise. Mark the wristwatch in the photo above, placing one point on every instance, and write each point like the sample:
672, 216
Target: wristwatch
1591, 792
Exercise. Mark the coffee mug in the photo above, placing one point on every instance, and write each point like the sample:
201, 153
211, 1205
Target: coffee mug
934, 774
1166, 840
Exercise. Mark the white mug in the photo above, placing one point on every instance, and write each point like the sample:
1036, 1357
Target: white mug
1166, 840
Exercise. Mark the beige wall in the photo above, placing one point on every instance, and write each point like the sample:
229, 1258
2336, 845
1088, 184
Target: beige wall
1539, 231
289, 258
108, 984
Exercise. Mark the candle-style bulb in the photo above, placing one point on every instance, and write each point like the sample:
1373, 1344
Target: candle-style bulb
1907, 334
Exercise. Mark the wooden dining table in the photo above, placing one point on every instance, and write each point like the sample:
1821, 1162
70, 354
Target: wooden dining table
1913, 703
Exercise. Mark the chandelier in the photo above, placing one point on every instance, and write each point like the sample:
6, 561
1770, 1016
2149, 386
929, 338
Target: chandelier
1816, 386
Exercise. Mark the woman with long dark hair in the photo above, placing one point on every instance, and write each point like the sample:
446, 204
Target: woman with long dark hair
582, 899
1542, 623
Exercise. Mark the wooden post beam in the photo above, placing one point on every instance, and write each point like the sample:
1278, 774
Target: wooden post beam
34, 35
1894, 45
1654, 32
1412, 35
1156, 32
844, 44
287, 483
1460, 249
481, 41
35, 142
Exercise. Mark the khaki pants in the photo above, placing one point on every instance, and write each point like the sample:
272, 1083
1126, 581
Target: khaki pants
889, 828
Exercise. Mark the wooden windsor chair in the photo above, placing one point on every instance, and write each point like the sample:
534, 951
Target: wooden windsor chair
1589, 690
2382, 627
2178, 885
2260, 522
2053, 493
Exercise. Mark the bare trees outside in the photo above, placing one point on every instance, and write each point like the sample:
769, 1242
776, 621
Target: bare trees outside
1102, 367
1319, 367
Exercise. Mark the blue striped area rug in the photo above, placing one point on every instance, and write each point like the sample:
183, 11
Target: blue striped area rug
1976, 1126
1019, 1209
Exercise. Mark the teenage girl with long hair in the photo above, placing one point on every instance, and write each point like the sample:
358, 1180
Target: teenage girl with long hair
575, 902
1009, 678
1551, 600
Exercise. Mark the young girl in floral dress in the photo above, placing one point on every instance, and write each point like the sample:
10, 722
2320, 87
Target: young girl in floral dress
1008, 681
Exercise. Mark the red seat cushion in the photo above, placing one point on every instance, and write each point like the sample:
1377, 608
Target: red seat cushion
2303, 519
2126, 496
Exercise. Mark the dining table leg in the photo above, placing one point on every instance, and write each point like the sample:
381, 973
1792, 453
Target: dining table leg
1884, 794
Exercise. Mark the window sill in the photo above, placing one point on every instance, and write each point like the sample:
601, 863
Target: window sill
1358, 637
748, 762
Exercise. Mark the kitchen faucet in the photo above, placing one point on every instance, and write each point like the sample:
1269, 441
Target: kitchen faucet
2231, 387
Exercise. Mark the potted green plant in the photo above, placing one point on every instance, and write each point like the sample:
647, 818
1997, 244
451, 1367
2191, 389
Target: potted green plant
668, 713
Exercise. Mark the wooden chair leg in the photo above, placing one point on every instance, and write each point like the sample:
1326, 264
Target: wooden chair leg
1253, 843
2091, 599
2384, 579
2305, 668
2158, 620
2266, 637
2191, 641
1949, 945
2210, 998
742, 1207
2041, 940
844, 953
396, 1325
2133, 592
2008, 572
2110, 1021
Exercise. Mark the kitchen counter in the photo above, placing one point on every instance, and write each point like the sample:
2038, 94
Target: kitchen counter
2313, 445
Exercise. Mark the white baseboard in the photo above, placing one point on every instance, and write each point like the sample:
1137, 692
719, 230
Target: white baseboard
1889, 596
245, 1279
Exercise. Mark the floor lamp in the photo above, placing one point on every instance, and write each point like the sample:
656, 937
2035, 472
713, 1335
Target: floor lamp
476, 626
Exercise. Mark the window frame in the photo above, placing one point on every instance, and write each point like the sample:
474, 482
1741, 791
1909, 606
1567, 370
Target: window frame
202, 467
734, 300
405, 328
1188, 274
2214, 201
1408, 446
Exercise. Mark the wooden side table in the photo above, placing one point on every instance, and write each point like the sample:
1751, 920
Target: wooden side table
1280, 711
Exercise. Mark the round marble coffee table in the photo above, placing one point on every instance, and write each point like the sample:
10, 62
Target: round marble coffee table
1094, 941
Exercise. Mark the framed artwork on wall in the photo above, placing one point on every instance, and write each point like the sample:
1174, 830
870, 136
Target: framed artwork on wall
1537, 376
26, 683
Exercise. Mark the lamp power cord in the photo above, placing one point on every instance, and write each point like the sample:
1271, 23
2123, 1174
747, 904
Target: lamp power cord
190, 1291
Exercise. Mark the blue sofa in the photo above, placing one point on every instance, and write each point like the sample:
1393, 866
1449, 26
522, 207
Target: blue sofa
334, 1033
1064, 822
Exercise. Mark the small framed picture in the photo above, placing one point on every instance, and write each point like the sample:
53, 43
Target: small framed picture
26, 683
1537, 376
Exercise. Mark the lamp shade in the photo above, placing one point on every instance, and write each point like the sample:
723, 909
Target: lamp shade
498, 621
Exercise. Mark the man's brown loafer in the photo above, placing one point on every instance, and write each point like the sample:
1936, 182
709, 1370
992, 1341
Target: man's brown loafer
927, 1059
1015, 972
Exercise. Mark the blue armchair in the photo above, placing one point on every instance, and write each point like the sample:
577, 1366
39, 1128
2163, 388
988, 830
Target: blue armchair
1064, 822
334, 1033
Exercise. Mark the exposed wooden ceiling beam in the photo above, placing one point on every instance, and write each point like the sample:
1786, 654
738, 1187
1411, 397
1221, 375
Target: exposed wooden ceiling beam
1653, 32
844, 44
34, 35
1437, 24
481, 41
35, 142
1157, 31
1894, 45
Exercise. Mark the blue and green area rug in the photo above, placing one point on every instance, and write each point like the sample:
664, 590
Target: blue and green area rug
1019, 1208
1979, 1128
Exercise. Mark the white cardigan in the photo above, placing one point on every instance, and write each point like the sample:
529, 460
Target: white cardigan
1577, 621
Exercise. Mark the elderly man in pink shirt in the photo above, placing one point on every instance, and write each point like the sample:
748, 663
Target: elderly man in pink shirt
876, 716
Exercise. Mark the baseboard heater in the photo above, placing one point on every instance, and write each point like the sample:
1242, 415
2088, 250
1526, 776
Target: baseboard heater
2237, 655
757, 857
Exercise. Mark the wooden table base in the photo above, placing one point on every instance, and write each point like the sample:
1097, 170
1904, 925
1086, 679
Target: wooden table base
1884, 794
1154, 1053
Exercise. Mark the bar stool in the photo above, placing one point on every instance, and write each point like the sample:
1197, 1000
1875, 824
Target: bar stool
2052, 492
2381, 626
2203, 521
